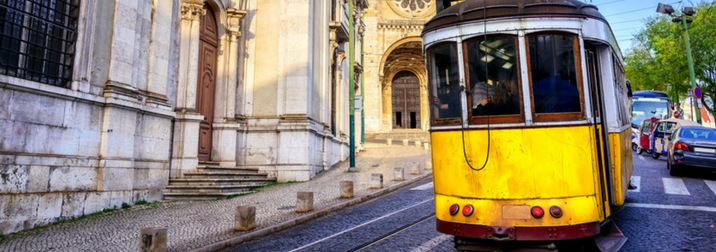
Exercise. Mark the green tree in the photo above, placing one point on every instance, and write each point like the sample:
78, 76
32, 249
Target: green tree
658, 60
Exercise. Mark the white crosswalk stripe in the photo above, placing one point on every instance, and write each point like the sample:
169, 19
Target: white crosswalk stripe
711, 184
675, 186
636, 181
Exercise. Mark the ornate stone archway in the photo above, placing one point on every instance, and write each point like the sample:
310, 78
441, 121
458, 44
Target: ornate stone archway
404, 56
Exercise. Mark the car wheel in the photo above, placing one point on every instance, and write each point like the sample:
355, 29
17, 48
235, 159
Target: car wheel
639, 150
648, 151
654, 155
634, 147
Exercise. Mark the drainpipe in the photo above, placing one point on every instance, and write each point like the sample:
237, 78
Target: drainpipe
351, 85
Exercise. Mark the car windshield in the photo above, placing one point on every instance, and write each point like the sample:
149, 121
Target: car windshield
698, 133
645, 109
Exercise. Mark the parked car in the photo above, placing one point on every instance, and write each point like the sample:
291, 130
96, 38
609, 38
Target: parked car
663, 129
693, 146
645, 130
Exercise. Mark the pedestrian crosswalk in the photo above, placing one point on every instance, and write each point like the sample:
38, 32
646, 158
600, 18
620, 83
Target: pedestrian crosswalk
672, 186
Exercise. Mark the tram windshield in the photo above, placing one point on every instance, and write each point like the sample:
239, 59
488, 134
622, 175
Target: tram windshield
494, 83
445, 84
554, 74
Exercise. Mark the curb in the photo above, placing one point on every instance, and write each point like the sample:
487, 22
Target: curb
313, 215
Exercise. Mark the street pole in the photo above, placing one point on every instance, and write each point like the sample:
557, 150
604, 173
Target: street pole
692, 76
351, 85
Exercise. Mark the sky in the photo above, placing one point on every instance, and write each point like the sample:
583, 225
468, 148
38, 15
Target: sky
628, 17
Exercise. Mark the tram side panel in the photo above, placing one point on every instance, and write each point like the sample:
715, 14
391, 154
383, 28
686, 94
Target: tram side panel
526, 167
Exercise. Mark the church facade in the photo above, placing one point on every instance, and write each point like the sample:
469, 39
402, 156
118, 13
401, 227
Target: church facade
105, 101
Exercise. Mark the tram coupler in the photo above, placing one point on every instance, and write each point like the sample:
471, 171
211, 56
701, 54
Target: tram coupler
610, 238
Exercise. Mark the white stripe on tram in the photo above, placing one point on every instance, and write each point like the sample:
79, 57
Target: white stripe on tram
675, 186
711, 184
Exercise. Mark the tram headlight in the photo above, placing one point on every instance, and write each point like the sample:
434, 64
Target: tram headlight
555, 211
467, 210
454, 209
537, 212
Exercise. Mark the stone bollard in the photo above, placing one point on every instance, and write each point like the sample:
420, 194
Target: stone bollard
346, 189
428, 164
415, 168
245, 218
417, 144
389, 141
304, 202
405, 142
426, 146
399, 174
153, 239
376, 180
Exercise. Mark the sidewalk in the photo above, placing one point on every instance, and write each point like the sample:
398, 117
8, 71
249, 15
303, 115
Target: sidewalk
208, 225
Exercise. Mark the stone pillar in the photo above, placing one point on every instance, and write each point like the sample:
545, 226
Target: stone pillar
245, 218
415, 168
191, 12
389, 141
376, 181
153, 239
186, 126
304, 202
417, 144
346, 189
428, 164
405, 142
427, 146
399, 174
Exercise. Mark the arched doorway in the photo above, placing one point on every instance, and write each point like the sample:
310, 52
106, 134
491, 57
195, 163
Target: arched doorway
206, 81
405, 90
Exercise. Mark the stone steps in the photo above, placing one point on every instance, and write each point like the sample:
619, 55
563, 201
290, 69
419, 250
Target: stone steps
400, 135
211, 181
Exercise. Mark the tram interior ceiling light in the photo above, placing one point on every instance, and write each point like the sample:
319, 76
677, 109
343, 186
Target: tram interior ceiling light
488, 58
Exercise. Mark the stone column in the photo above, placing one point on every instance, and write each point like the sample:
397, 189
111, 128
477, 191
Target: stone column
225, 126
186, 125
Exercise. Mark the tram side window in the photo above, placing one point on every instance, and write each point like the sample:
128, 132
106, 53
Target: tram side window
493, 79
444, 80
554, 73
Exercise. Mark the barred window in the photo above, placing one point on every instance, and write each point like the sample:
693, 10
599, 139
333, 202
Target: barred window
37, 39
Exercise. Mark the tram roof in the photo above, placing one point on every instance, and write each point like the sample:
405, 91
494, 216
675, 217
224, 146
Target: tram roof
471, 10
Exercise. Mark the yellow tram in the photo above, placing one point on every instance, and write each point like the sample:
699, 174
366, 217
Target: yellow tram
530, 128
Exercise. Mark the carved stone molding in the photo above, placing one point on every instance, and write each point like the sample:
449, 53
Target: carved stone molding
234, 17
192, 11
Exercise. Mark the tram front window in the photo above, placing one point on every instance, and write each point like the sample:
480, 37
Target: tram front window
554, 76
444, 75
493, 77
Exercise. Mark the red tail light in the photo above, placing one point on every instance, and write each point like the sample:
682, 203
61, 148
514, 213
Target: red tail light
681, 146
467, 210
537, 212
555, 211
454, 209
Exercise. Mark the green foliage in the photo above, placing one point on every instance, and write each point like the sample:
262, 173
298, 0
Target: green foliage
125, 205
141, 202
658, 60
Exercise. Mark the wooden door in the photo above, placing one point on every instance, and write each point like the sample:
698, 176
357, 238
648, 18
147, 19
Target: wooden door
406, 101
206, 81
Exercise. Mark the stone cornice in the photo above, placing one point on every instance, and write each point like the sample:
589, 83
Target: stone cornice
234, 17
401, 25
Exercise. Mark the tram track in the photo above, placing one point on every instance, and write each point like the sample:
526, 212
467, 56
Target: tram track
390, 234
375, 221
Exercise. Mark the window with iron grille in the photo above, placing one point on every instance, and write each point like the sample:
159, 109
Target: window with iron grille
37, 39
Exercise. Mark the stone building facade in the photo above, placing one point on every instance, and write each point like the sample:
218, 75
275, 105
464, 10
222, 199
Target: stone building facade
105, 101
394, 68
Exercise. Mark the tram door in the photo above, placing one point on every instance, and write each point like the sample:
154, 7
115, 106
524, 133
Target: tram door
598, 107
406, 101
206, 81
